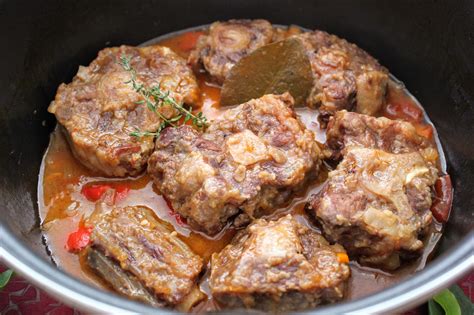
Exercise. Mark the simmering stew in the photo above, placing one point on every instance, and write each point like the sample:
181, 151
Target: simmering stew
241, 165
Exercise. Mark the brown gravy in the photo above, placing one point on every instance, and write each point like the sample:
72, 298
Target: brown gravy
62, 206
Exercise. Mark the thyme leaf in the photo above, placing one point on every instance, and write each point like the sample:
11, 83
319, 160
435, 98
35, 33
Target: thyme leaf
154, 98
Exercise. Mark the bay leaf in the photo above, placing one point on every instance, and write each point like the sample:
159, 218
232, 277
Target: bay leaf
117, 278
272, 69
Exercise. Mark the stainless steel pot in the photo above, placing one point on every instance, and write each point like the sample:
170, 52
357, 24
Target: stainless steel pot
427, 44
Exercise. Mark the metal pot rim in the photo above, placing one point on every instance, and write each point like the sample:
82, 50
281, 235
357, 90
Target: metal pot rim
439, 273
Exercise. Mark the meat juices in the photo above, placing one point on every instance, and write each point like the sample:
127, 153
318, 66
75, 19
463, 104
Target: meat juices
278, 266
377, 201
145, 248
250, 160
227, 42
249, 163
345, 76
99, 109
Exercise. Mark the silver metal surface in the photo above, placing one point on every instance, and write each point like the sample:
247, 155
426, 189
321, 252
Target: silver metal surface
439, 274
409, 293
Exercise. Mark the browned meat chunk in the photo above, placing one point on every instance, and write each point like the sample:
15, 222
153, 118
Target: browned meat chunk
376, 204
346, 77
278, 266
250, 160
99, 109
346, 130
148, 250
227, 42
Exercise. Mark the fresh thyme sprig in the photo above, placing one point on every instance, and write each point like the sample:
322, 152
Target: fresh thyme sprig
154, 98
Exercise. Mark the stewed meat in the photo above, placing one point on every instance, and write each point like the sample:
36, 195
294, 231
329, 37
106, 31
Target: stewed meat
250, 160
146, 248
99, 109
227, 42
346, 130
377, 204
345, 76
278, 266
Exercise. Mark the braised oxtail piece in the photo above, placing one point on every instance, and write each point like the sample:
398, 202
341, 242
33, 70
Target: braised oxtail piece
377, 202
279, 266
249, 161
345, 76
153, 264
347, 130
227, 42
99, 109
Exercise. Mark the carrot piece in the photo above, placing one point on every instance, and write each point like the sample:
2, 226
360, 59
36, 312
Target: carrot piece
343, 258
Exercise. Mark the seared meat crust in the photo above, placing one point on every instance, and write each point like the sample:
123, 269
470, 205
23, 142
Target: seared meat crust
345, 76
346, 130
227, 42
278, 266
99, 109
250, 160
377, 201
376, 204
145, 247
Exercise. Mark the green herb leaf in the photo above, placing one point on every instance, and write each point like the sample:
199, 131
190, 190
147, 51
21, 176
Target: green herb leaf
187, 117
464, 302
154, 98
5, 278
450, 301
176, 118
434, 308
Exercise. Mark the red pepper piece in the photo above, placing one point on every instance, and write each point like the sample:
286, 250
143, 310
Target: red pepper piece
94, 192
79, 239
444, 197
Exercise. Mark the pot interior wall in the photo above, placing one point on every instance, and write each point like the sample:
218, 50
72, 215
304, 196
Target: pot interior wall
426, 44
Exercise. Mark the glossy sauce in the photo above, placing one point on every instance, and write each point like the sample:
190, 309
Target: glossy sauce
62, 206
